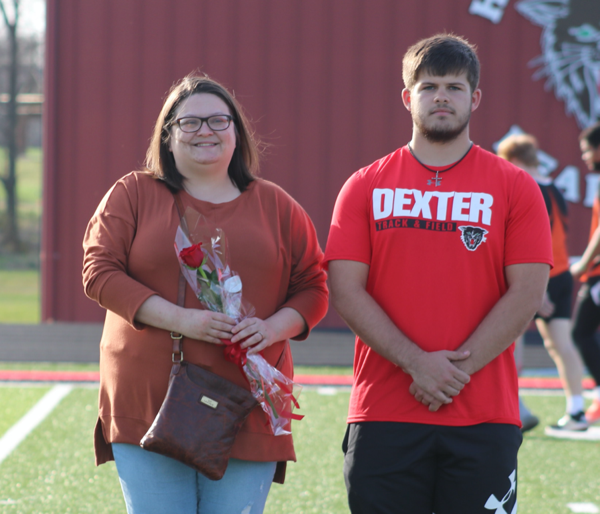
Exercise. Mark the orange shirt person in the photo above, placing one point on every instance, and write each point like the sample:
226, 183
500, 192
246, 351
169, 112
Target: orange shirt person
586, 317
553, 320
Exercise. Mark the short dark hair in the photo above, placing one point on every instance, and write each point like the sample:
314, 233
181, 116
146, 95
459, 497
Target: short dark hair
521, 147
159, 159
591, 135
440, 55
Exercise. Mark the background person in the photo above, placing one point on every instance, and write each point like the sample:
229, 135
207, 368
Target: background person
438, 259
553, 320
586, 316
202, 148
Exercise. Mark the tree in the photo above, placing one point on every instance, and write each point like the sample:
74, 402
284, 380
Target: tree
11, 238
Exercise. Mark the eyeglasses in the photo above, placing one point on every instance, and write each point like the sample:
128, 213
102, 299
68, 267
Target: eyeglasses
193, 124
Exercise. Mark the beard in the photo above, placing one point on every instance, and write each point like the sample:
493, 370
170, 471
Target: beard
596, 166
441, 134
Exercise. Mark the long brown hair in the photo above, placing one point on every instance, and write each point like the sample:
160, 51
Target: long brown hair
159, 159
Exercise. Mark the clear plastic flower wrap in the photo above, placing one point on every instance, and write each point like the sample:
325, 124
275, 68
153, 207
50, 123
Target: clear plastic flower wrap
276, 393
203, 256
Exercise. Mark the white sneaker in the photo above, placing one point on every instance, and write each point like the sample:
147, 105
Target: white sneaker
569, 423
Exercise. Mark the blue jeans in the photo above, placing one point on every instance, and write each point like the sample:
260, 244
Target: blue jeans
154, 484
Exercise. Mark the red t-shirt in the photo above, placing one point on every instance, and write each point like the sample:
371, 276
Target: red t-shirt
437, 256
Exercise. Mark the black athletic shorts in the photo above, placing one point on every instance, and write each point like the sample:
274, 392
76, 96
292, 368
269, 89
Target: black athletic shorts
412, 468
560, 291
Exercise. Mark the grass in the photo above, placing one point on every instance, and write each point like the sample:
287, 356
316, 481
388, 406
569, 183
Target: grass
29, 182
554, 472
315, 483
53, 471
19, 273
19, 296
16, 402
29, 196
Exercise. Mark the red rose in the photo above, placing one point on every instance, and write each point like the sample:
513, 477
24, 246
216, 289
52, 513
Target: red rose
192, 256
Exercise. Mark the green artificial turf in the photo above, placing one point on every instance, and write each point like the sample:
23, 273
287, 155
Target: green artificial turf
52, 471
315, 483
555, 472
15, 402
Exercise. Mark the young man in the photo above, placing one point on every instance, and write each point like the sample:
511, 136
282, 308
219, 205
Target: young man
553, 320
586, 317
438, 258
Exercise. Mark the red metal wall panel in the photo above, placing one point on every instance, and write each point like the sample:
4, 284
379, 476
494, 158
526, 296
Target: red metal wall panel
320, 78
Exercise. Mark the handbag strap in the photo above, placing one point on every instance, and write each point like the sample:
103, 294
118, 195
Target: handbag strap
176, 337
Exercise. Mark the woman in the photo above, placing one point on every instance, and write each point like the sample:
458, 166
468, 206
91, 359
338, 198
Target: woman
203, 150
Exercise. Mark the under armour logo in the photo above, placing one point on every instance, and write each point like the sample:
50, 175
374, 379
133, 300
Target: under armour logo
498, 505
437, 181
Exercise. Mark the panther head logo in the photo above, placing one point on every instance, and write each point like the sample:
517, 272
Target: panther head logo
472, 237
570, 52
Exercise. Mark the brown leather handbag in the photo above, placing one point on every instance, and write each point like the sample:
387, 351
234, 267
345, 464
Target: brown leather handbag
201, 414
199, 419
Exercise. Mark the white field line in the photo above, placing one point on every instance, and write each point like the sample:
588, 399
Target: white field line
22, 428
583, 507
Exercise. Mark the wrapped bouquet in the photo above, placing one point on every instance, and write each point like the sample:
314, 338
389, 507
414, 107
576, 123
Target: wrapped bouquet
203, 256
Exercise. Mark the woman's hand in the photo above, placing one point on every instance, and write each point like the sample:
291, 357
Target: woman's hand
206, 325
257, 333
193, 323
